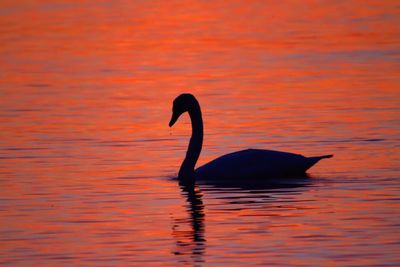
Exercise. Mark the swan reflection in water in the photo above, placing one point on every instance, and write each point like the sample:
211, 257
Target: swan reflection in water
190, 242
236, 195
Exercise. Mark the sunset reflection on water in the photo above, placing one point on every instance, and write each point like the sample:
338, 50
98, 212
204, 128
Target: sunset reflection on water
87, 157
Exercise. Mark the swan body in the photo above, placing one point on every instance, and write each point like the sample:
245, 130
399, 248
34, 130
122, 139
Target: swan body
256, 163
244, 164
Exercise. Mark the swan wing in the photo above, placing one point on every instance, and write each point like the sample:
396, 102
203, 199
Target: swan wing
254, 163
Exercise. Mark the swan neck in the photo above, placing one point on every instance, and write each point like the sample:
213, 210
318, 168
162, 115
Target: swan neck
195, 144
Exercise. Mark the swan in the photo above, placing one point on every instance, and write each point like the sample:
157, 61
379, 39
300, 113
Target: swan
242, 165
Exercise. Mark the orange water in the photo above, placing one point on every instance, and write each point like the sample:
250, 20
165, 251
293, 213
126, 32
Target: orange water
86, 155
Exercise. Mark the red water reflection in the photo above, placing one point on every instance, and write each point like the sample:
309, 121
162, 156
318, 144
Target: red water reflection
86, 91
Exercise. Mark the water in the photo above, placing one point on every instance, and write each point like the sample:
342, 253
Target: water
86, 155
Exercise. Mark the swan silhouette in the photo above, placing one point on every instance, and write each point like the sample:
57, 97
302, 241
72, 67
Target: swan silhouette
240, 165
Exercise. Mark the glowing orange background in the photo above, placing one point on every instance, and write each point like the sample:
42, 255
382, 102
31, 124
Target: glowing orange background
85, 96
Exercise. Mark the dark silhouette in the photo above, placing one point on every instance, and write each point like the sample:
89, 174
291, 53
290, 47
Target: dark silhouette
241, 165
192, 242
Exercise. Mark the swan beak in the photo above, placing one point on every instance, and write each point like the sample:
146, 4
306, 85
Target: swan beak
174, 118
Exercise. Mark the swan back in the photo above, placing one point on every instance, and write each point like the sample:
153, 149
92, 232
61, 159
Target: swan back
255, 163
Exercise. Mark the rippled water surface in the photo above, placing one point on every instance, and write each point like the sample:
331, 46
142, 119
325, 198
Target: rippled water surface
87, 157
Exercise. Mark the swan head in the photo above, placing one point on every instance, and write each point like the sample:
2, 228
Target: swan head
182, 104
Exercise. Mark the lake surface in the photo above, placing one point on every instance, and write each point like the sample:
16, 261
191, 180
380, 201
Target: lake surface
87, 157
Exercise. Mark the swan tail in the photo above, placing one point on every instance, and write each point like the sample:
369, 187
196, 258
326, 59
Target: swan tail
316, 159
325, 156
313, 160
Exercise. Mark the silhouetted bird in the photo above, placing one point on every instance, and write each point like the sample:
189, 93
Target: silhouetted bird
244, 164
